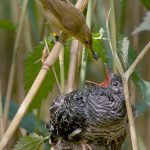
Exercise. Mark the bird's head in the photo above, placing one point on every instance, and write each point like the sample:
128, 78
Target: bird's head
85, 36
115, 83
111, 91
111, 80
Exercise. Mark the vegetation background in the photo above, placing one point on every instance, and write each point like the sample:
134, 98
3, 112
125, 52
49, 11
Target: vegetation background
128, 18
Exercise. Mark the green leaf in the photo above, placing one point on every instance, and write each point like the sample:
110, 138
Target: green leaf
98, 47
124, 50
146, 3
30, 142
29, 122
7, 25
141, 107
100, 35
32, 69
142, 85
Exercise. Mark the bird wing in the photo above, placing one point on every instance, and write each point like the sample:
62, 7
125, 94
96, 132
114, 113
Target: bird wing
50, 5
67, 115
70, 16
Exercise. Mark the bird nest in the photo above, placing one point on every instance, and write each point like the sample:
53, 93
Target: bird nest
64, 145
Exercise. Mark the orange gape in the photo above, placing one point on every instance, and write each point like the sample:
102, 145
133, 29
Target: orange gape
106, 81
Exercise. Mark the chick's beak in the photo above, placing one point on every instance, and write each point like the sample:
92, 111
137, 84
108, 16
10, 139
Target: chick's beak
106, 81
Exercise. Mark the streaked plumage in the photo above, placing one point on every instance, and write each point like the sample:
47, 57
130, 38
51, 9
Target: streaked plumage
98, 112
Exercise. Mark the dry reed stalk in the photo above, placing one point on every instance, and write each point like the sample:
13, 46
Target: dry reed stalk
72, 65
13, 65
125, 79
62, 70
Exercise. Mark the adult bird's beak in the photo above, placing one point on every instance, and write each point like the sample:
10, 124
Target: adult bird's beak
95, 54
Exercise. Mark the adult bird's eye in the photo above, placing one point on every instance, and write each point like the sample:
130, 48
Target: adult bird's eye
86, 42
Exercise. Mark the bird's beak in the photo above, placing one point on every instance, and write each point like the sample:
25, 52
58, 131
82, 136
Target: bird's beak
106, 81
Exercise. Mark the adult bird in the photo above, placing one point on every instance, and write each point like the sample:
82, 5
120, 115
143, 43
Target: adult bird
63, 16
94, 116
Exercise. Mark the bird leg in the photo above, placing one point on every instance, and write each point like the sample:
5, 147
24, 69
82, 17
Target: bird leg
52, 148
88, 146
84, 145
44, 54
58, 145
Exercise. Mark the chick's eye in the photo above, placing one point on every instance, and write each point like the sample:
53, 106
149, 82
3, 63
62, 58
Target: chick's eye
115, 83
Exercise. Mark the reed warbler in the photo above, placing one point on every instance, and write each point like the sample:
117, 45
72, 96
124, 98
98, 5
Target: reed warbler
63, 16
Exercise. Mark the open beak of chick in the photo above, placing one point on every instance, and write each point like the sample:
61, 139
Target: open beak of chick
106, 81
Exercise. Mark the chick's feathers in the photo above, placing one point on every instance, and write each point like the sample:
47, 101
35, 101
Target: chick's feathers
99, 113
